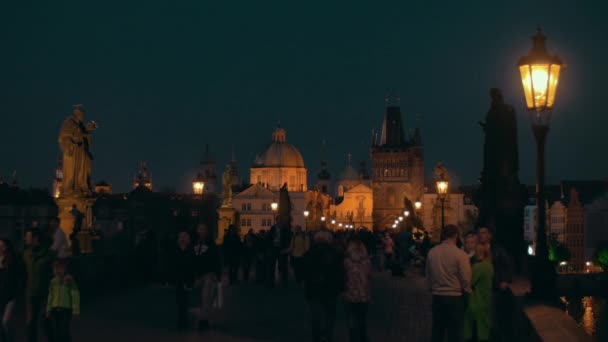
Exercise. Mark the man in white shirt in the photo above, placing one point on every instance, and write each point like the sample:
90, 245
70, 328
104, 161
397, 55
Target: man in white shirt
448, 271
60, 242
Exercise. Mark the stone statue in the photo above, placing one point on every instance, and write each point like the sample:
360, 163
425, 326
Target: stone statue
284, 206
500, 197
441, 172
227, 186
75, 142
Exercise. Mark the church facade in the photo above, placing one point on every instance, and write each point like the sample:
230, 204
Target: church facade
397, 169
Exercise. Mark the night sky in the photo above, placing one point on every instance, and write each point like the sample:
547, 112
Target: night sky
164, 77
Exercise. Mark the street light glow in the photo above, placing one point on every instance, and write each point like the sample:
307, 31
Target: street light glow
418, 205
306, 213
406, 213
274, 206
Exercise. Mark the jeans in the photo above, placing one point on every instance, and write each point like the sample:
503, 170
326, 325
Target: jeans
357, 321
35, 306
323, 318
448, 317
207, 289
181, 301
6, 314
60, 319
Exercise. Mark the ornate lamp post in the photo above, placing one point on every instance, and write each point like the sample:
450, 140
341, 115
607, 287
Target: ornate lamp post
442, 192
540, 72
539, 75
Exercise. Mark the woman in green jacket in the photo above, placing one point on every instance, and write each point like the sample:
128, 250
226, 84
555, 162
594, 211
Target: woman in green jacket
478, 314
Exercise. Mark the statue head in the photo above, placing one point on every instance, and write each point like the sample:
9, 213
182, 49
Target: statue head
496, 95
78, 112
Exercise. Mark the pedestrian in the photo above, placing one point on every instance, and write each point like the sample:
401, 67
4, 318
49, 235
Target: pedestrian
37, 260
448, 271
300, 243
280, 238
324, 279
232, 247
389, 249
60, 242
261, 249
182, 276
478, 314
470, 245
11, 281
207, 273
357, 293
249, 253
63, 302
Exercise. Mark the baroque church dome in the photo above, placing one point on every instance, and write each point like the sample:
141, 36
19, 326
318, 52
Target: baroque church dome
279, 153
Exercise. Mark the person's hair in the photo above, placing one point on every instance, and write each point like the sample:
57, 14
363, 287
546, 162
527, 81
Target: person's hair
486, 228
469, 234
35, 232
9, 256
483, 251
450, 231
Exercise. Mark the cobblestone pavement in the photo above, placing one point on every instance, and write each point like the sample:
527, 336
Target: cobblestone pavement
400, 312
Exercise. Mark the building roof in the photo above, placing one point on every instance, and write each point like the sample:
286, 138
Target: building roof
279, 153
256, 191
588, 191
392, 128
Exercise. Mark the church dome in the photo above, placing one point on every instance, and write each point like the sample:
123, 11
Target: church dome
279, 153
349, 173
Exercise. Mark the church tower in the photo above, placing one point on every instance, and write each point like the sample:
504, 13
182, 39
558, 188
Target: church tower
207, 171
143, 177
397, 169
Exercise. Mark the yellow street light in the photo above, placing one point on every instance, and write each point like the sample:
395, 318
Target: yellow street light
274, 206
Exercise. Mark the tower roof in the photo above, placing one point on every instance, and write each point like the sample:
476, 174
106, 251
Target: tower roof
392, 128
279, 153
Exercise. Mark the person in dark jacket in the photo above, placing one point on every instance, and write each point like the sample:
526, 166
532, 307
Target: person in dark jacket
280, 240
324, 279
182, 276
249, 253
232, 252
207, 272
37, 259
11, 281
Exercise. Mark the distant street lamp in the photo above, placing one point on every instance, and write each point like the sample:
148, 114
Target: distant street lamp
198, 185
418, 205
406, 213
540, 73
274, 206
306, 213
400, 218
322, 218
442, 192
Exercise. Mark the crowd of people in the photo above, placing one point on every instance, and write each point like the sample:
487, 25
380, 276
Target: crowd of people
39, 275
468, 285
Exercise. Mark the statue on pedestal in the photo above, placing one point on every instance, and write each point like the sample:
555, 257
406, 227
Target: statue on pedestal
75, 142
227, 187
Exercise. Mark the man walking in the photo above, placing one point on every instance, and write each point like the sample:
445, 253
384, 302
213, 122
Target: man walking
448, 271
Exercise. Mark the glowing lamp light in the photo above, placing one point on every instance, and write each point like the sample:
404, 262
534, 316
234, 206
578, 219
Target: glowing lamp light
442, 187
339, 224
400, 218
539, 75
406, 213
563, 263
530, 250
197, 187
274, 206
588, 263
306, 213
333, 221
418, 205
394, 226
323, 218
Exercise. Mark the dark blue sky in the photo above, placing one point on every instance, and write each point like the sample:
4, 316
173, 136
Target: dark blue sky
162, 78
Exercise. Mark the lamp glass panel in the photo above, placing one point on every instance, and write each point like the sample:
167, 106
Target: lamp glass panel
553, 79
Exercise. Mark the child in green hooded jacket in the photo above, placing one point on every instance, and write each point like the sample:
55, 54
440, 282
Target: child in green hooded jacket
63, 302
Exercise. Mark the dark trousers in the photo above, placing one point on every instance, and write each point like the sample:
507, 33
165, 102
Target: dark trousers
357, 321
296, 264
181, 301
448, 318
60, 325
322, 318
281, 258
233, 269
35, 306
247, 261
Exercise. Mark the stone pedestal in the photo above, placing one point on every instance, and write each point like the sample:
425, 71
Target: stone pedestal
227, 216
84, 205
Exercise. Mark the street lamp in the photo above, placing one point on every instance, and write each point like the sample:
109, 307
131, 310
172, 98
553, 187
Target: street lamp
417, 205
274, 206
442, 192
539, 75
198, 185
322, 218
400, 218
306, 213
